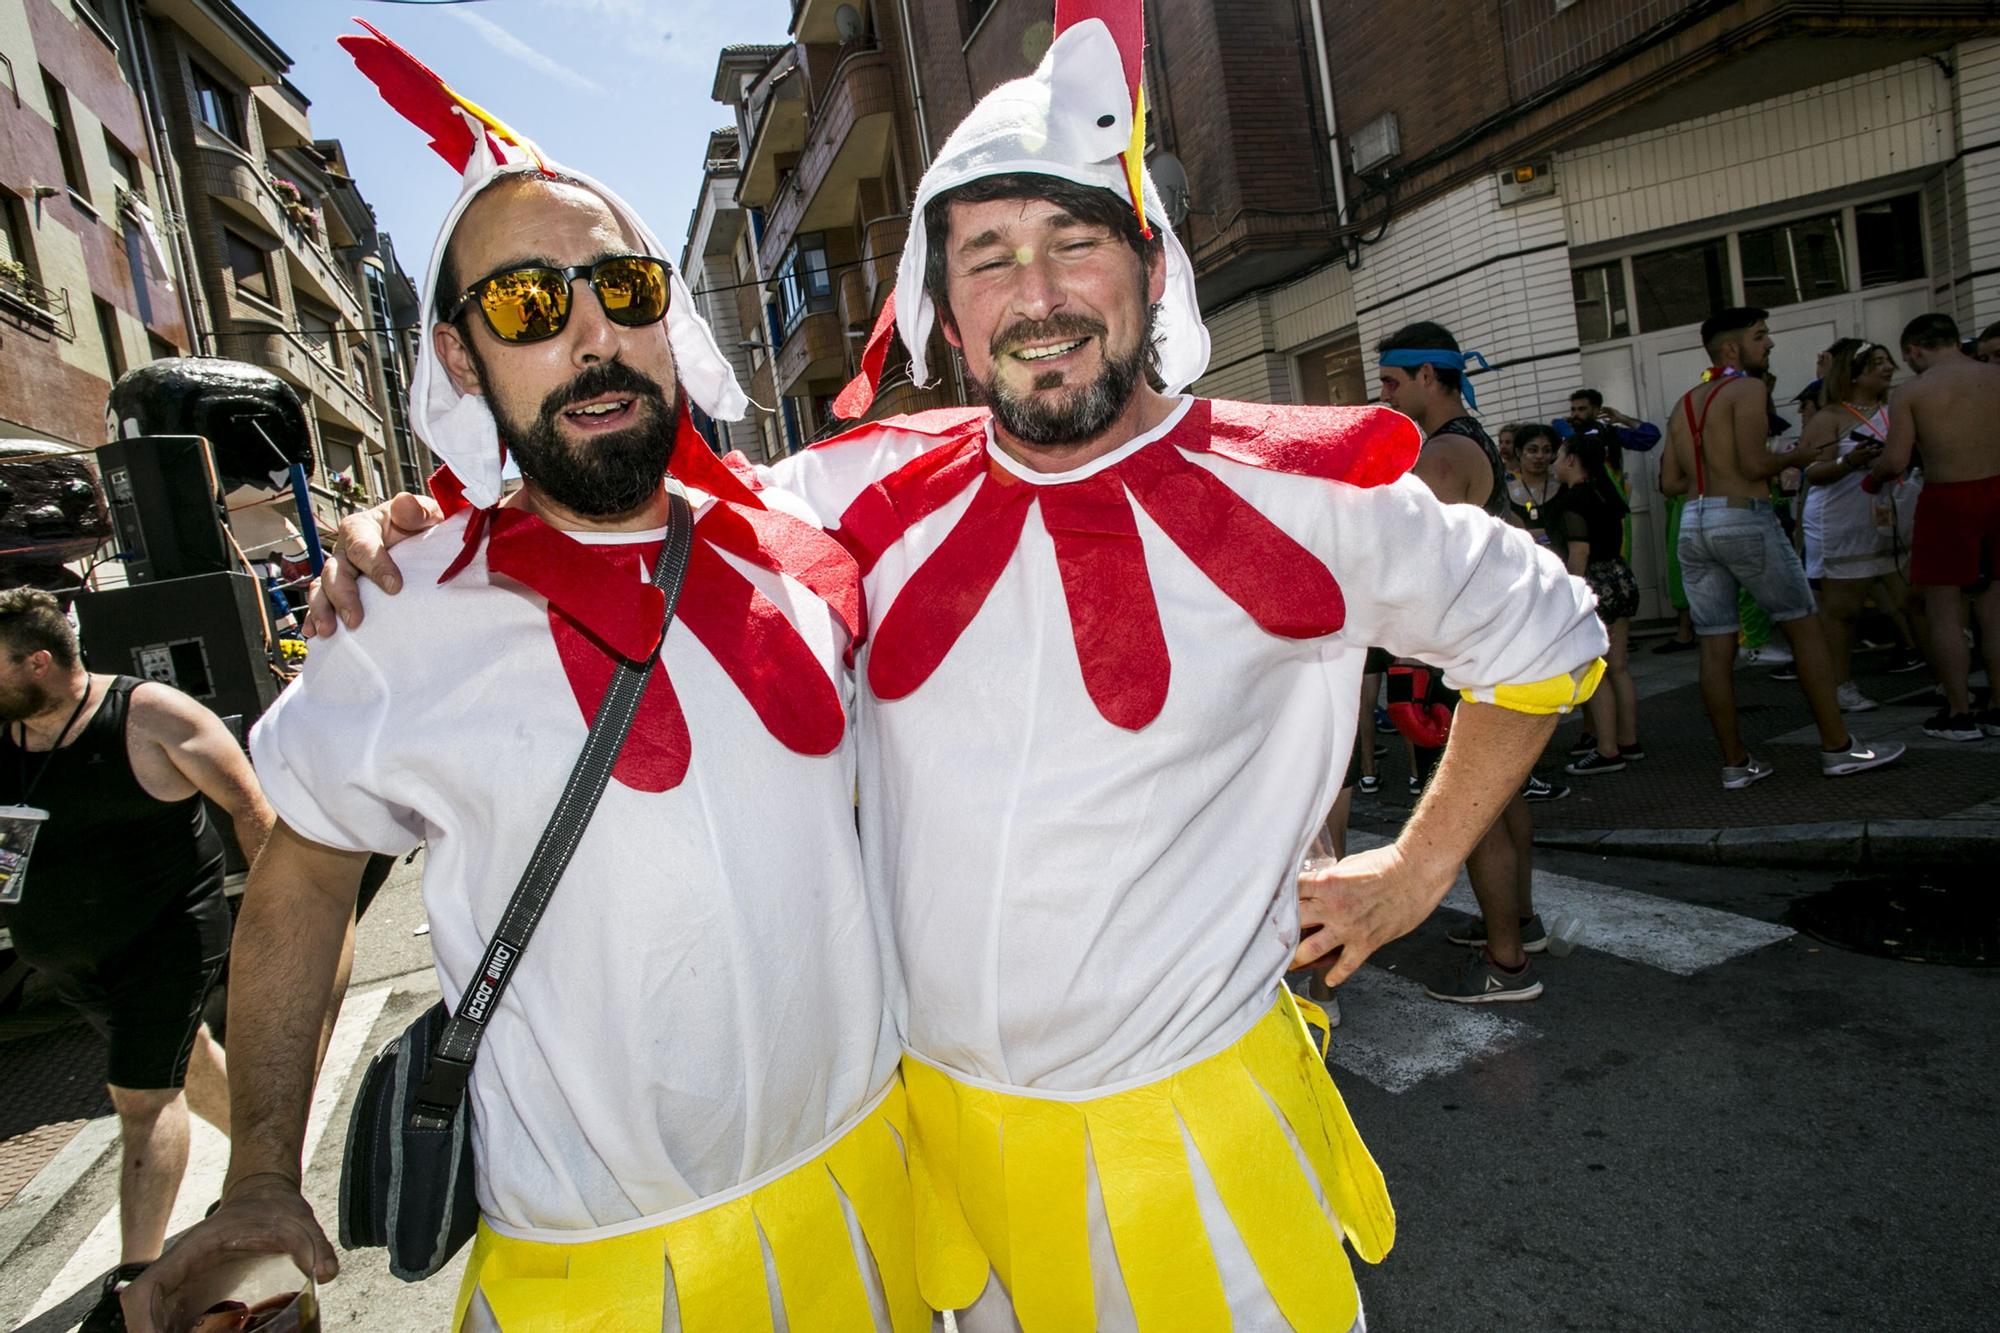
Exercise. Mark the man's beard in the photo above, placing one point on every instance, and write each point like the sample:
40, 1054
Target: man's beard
1053, 421
23, 701
602, 476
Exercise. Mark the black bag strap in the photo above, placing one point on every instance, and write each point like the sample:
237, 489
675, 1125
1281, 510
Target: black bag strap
437, 1099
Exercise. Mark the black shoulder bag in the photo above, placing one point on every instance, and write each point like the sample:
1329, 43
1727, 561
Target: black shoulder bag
406, 1180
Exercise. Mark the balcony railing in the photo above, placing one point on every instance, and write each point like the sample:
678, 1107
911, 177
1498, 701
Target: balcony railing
860, 91
42, 305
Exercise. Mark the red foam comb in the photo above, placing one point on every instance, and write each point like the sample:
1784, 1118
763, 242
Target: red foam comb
416, 92
859, 395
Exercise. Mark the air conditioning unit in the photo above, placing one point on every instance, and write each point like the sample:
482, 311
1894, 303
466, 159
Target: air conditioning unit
1375, 143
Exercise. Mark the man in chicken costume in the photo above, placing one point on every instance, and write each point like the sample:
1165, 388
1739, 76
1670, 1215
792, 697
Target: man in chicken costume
685, 1110
1115, 636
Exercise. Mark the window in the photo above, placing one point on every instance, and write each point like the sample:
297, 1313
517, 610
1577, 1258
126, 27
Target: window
125, 172
15, 252
249, 267
59, 116
159, 348
1889, 241
317, 326
803, 283
216, 105
1793, 261
1683, 285
1601, 311
1333, 374
107, 329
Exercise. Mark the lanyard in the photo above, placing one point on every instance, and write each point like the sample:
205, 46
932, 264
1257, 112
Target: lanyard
28, 786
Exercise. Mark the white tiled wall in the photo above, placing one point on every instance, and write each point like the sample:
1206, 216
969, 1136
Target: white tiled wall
1245, 363
1513, 307
1973, 186
1830, 137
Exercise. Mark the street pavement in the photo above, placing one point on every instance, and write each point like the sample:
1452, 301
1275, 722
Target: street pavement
1708, 1121
1939, 803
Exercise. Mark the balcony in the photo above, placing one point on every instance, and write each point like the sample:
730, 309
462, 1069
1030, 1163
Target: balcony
881, 250
293, 356
23, 297
777, 115
846, 143
238, 186
814, 350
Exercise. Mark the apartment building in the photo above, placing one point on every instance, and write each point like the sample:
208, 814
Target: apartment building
88, 284
722, 269
1572, 187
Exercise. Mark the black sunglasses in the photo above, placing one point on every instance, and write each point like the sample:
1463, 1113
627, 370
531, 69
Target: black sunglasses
532, 302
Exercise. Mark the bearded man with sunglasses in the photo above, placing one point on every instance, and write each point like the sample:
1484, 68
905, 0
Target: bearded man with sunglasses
690, 1079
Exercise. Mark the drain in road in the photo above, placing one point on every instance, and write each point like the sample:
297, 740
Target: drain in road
1921, 916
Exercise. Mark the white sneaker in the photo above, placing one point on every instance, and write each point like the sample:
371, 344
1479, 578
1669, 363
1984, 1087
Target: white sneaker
1769, 655
1852, 700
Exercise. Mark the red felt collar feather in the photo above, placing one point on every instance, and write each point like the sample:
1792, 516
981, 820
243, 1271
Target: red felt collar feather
1114, 617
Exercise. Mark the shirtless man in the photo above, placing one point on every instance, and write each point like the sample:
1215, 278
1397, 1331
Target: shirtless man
1947, 413
1730, 538
1461, 466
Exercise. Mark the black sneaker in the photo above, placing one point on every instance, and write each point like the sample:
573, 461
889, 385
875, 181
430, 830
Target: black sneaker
1534, 937
1789, 671
1632, 752
1369, 784
1989, 721
1416, 785
1948, 726
1676, 646
108, 1316
1595, 763
1480, 980
1585, 744
1907, 663
1539, 790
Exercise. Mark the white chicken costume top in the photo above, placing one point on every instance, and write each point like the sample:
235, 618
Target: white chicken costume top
1101, 712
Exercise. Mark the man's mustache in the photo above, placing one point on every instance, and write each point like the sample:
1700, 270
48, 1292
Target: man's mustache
602, 378
1055, 327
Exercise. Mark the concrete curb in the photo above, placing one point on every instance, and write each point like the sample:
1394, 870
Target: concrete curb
52, 1184
1876, 843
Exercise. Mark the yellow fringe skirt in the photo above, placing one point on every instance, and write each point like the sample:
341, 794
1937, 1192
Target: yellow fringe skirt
617, 1284
1000, 1181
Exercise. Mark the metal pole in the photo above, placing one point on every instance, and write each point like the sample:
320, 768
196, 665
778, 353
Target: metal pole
308, 527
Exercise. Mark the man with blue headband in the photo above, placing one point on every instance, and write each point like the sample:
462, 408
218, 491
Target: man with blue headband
1423, 377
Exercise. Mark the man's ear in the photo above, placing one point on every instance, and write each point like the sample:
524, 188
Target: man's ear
949, 327
449, 345
1156, 275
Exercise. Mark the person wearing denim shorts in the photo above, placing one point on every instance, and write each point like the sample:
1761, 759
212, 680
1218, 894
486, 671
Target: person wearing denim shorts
1730, 539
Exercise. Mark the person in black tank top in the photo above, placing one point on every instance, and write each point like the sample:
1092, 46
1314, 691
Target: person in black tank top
1422, 376
120, 905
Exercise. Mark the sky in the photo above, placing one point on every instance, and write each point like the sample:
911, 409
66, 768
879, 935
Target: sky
617, 89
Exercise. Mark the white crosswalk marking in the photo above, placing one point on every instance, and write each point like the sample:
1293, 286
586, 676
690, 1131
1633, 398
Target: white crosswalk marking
208, 1152
1675, 937
1395, 1036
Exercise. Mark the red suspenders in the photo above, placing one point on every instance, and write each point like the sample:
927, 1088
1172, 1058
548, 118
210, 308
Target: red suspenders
1697, 424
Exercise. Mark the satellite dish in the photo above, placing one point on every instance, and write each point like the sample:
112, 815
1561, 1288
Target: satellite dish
847, 22
1171, 180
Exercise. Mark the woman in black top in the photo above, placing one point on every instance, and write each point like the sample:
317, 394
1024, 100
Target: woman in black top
1532, 488
1586, 526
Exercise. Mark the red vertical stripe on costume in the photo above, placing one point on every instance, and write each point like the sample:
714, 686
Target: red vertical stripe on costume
1112, 612
757, 647
1280, 583
655, 757
946, 592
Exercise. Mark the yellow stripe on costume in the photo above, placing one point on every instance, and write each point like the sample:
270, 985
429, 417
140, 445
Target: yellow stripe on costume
1557, 694
1233, 1107
618, 1283
1149, 1201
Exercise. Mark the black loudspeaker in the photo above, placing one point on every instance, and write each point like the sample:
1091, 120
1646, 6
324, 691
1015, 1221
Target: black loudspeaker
202, 635
166, 506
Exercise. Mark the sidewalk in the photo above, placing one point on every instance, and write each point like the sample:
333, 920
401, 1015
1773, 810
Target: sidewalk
1939, 804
